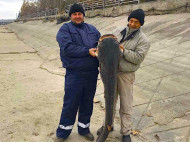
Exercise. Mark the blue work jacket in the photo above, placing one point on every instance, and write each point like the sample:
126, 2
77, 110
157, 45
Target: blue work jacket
75, 42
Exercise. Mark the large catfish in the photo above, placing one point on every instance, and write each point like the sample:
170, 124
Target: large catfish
108, 56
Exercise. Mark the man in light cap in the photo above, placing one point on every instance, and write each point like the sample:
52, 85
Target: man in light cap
78, 41
135, 46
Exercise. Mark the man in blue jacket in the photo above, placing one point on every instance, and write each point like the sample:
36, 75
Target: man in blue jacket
78, 41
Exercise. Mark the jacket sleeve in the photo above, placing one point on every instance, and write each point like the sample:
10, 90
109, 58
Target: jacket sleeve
99, 35
67, 46
138, 55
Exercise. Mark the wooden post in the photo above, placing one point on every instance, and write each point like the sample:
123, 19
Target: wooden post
92, 5
119, 2
186, 6
104, 4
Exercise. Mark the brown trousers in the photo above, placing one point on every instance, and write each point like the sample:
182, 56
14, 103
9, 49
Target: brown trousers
125, 83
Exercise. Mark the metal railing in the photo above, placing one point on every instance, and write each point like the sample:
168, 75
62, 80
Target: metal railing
46, 13
101, 4
87, 5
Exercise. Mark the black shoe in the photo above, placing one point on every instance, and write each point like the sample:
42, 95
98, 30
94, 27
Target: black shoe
101, 129
126, 138
57, 139
89, 136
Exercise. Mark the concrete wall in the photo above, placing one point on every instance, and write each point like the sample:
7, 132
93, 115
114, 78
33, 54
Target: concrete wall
161, 90
146, 6
164, 74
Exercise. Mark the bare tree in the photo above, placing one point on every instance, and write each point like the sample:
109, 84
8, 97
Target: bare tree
27, 8
34, 6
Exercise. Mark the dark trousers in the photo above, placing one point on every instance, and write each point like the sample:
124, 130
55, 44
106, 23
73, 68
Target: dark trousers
80, 89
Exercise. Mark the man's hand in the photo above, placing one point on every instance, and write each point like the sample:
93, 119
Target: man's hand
93, 51
121, 47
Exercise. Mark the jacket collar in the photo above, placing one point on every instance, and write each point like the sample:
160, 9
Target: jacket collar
130, 33
81, 25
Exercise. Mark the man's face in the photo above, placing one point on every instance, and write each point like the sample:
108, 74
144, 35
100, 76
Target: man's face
134, 23
77, 17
